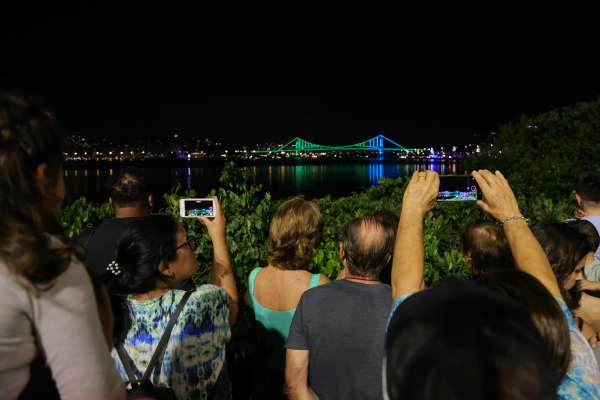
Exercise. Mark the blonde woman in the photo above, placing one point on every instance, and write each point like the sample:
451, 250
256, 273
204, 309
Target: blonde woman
275, 290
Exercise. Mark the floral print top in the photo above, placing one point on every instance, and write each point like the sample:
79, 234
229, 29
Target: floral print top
195, 354
582, 380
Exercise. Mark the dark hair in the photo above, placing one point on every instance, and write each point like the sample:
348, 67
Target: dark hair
587, 229
587, 186
543, 309
460, 341
368, 244
294, 234
564, 247
146, 243
487, 246
29, 137
128, 188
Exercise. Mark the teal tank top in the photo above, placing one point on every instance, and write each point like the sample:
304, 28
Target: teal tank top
279, 321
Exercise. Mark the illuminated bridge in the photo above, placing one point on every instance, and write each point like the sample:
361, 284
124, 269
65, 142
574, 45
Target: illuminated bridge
378, 143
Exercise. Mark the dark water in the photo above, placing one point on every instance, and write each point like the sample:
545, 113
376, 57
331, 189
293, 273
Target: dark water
280, 180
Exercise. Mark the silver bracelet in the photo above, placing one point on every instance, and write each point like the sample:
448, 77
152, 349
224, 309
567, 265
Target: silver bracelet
514, 218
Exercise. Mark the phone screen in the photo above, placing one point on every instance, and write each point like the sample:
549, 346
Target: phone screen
199, 208
458, 188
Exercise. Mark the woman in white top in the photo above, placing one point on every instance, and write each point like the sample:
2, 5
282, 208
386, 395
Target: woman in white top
51, 341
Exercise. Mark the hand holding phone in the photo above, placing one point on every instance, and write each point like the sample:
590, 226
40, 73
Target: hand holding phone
458, 188
192, 208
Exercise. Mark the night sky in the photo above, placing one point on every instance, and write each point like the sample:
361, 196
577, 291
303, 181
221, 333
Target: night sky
328, 83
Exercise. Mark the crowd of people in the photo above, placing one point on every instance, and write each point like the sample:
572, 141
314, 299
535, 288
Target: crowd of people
114, 313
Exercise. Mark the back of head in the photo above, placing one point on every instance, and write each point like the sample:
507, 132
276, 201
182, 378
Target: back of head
29, 138
587, 229
390, 223
543, 309
460, 341
147, 242
368, 244
587, 187
128, 188
486, 248
294, 234
564, 247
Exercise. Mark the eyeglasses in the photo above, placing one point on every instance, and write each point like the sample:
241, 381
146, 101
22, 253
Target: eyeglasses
191, 244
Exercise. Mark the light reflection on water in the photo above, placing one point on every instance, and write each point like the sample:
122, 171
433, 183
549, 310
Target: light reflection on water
281, 180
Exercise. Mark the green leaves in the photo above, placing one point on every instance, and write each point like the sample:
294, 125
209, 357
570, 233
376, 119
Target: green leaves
81, 215
249, 210
544, 154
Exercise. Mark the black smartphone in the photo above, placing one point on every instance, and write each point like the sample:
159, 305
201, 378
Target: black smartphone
458, 188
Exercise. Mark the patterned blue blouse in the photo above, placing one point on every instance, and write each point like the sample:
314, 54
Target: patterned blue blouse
195, 353
583, 376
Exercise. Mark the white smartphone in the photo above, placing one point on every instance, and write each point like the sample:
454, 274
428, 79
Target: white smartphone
192, 208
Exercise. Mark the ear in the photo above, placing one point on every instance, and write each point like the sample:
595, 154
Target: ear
467, 257
110, 200
164, 269
578, 200
150, 201
342, 253
40, 176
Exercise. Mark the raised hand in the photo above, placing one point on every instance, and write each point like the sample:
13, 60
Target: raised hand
216, 226
498, 198
421, 192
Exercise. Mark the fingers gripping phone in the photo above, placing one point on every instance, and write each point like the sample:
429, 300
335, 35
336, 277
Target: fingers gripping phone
192, 208
458, 188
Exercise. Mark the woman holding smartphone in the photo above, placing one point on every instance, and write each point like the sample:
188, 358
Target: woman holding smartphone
154, 258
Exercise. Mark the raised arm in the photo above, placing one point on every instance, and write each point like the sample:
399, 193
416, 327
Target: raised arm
409, 255
222, 270
499, 201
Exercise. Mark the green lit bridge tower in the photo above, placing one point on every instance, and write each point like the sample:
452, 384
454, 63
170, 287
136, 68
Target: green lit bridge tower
379, 143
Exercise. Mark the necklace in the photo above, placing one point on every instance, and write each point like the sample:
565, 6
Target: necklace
362, 278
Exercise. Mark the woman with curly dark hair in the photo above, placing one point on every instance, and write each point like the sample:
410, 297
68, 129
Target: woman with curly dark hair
51, 341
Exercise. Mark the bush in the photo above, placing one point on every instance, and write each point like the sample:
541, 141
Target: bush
248, 211
544, 154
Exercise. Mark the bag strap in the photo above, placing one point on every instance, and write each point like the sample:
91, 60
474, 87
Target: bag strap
129, 365
165, 336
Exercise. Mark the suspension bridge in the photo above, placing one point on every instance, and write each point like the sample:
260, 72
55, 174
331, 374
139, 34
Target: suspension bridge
379, 144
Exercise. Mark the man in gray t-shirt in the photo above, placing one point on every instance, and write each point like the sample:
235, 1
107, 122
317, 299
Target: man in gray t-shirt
336, 341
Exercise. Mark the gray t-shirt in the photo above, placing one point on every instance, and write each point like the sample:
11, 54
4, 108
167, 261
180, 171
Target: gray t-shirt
62, 322
342, 324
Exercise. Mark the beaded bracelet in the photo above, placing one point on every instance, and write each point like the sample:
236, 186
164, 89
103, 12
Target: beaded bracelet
514, 218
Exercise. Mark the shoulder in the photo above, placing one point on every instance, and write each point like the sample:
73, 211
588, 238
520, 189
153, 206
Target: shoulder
568, 314
315, 294
253, 273
323, 279
83, 238
207, 295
